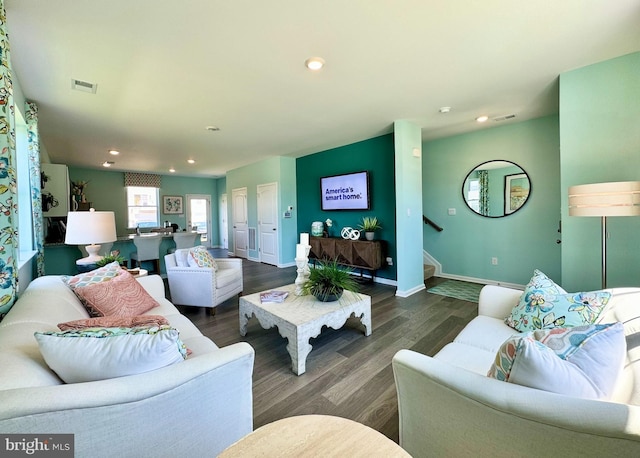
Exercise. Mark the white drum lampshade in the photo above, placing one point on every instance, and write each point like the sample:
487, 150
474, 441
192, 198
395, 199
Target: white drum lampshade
605, 199
90, 228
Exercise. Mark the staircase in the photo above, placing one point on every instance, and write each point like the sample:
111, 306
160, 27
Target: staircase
429, 270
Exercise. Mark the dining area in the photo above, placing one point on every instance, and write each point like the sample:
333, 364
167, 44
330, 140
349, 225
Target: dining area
145, 249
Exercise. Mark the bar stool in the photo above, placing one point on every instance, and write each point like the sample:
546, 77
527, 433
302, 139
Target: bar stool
148, 249
183, 240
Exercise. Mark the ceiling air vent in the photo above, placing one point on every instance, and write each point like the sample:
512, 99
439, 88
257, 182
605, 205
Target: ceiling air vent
504, 118
84, 86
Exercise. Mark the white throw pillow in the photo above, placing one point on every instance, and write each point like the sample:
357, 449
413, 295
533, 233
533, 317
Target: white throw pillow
583, 361
182, 256
101, 353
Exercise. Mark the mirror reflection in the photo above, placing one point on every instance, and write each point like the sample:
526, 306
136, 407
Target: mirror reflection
496, 188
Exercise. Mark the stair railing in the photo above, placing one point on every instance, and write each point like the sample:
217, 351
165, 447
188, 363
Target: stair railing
428, 222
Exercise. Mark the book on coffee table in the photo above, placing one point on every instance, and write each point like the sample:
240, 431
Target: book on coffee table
274, 296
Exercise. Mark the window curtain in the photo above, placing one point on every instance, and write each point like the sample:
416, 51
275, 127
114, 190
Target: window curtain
484, 192
147, 180
34, 178
8, 183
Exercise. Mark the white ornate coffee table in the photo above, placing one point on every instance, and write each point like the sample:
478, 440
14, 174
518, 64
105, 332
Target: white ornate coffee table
299, 318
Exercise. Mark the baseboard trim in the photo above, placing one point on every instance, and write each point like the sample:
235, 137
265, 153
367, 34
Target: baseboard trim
410, 292
482, 281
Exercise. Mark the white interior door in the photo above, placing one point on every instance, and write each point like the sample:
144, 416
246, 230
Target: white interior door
224, 223
240, 222
268, 223
199, 215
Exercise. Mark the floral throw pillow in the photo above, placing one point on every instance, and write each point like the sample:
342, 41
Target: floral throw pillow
539, 290
561, 310
200, 257
584, 361
114, 322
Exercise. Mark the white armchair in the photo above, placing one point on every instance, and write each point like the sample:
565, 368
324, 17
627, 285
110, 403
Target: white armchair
203, 286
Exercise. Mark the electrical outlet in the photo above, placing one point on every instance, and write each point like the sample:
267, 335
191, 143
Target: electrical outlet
390, 261
494, 261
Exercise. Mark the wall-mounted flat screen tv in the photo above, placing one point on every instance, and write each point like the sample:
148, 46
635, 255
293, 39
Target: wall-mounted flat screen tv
345, 192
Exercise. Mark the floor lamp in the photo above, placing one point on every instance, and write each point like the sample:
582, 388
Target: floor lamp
603, 200
90, 228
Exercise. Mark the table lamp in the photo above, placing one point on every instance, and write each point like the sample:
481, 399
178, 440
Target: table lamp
90, 228
605, 199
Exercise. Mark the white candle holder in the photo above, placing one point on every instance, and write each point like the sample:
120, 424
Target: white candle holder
303, 274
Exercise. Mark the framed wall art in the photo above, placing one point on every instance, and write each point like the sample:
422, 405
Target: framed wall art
516, 192
172, 205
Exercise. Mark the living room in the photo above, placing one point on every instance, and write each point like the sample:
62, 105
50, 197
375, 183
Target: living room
590, 137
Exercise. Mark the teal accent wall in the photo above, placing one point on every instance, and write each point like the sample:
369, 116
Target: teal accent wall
523, 241
281, 170
376, 156
600, 142
408, 139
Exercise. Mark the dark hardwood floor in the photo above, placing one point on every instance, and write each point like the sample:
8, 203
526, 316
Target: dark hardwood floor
348, 375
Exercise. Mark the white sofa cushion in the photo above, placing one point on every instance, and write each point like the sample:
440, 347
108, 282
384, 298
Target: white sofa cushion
101, 353
583, 361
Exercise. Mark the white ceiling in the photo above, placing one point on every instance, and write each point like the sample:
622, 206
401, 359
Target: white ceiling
167, 69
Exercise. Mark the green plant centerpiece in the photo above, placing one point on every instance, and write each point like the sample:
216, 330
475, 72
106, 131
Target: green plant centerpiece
328, 280
111, 257
369, 225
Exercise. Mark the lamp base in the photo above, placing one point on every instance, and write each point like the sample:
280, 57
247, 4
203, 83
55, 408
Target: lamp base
93, 255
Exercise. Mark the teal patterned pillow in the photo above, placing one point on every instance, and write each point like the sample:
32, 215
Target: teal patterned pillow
546, 311
540, 289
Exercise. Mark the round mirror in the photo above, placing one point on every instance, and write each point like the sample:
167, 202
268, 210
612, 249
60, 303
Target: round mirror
496, 188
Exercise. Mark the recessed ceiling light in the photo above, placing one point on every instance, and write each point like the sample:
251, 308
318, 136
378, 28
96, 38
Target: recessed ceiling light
191, 161
114, 152
212, 128
444, 109
483, 118
314, 63
107, 163
172, 170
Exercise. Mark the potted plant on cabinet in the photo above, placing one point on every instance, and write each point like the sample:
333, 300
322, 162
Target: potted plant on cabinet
328, 280
369, 225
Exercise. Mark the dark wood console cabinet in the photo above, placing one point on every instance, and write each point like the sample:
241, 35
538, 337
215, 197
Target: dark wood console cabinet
360, 254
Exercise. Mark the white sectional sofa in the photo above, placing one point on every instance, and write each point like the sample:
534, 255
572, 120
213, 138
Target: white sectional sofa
449, 407
194, 408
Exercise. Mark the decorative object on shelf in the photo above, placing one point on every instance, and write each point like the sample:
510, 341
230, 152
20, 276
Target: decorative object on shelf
111, 257
90, 228
369, 225
349, 233
327, 224
317, 228
172, 205
328, 280
605, 199
78, 188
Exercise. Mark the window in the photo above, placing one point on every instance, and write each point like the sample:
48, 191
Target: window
25, 213
142, 207
473, 196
